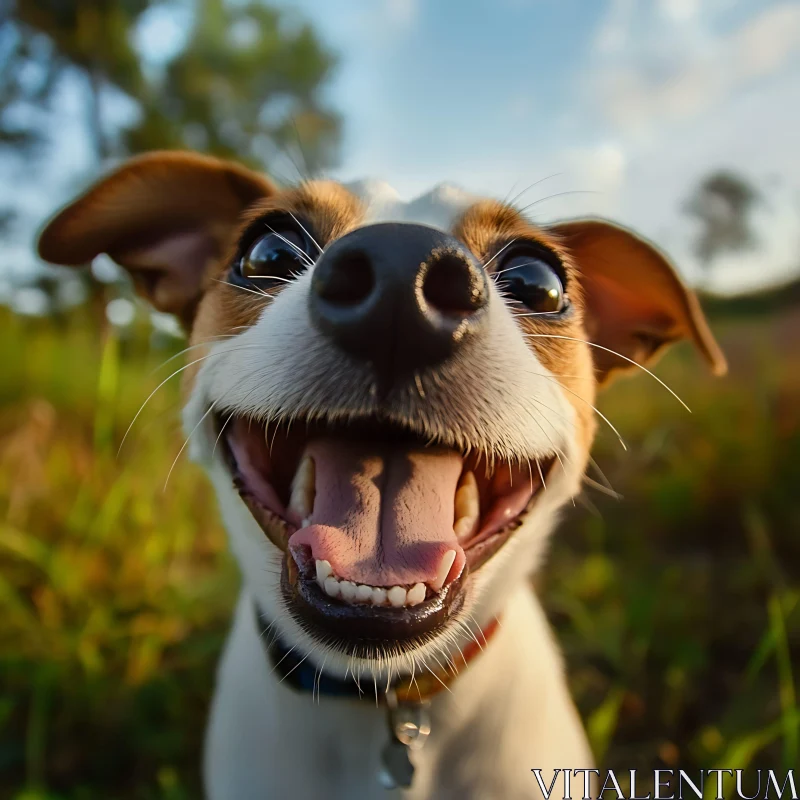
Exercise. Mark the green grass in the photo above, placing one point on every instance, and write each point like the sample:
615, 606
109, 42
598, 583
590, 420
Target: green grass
678, 607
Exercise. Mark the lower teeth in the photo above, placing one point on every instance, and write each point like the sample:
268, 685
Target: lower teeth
350, 592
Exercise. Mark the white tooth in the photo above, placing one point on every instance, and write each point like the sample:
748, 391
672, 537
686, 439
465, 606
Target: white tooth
348, 590
444, 568
467, 506
378, 596
301, 500
331, 587
397, 596
306, 522
464, 528
324, 570
363, 593
416, 594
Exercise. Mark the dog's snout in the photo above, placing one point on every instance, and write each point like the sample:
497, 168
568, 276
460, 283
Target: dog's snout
399, 295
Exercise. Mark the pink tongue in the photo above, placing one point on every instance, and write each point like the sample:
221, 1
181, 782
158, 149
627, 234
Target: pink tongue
383, 514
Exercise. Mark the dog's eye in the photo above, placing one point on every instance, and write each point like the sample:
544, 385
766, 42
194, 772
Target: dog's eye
275, 257
529, 279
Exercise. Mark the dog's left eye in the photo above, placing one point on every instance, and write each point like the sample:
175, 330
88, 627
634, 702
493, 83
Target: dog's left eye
275, 257
529, 279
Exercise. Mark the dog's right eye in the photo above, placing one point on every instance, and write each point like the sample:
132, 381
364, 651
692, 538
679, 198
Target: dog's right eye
276, 257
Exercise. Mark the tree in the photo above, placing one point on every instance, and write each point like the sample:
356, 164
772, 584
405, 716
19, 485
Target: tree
242, 88
246, 84
723, 204
244, 80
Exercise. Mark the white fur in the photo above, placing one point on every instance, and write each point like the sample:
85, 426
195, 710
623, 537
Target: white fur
438, 208
510, 711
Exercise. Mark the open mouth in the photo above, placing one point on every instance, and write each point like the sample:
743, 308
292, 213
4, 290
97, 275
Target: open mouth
380, 528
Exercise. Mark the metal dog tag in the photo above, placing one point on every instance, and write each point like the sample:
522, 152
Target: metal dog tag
409, 728
397, 771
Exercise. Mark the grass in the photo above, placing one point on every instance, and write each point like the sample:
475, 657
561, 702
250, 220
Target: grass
678, 607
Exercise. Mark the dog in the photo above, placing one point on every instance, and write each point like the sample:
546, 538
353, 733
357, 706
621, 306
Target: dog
393, 402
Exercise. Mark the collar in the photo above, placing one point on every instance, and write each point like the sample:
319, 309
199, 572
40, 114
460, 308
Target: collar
294, 670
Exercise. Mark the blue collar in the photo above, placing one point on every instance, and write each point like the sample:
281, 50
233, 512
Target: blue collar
297, 672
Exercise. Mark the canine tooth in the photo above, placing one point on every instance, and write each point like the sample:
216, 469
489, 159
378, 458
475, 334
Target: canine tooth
444, 567
301, 500
347, 589
378, 596
332, 587
464, 528
363, 593
467, 500
416, 594
397, 596
324, 570
467, 507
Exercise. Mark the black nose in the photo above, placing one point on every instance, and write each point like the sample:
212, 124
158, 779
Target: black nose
399, 295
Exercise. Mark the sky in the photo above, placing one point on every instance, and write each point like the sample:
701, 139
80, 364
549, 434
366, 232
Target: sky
618, 107
603, 107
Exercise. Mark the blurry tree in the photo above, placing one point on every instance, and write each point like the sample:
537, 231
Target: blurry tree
722, 203
243, 85
246, 82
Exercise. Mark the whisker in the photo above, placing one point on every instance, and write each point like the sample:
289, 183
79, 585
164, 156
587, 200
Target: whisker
258, 292
552, 196
504, 247
302, 253
274, 278
524, 264
169, 377
183, 446
221, 431
302, 227
424, 664
600, 473
318, 680
295, 667
600, 488
607, 350
300, 147
512, 202
205, 343
594, 408
541, 474
558, 451
281, 659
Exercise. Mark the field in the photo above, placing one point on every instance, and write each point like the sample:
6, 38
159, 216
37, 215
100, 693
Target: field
677, 605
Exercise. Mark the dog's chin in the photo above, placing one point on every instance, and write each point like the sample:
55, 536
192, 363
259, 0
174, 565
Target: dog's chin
382, 533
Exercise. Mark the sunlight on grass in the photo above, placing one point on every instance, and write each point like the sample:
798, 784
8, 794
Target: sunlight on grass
677, 607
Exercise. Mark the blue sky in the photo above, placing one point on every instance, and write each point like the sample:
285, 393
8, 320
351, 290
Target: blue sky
618, 107
628, 103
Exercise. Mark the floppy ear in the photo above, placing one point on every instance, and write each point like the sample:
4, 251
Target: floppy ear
164, 217
635, 302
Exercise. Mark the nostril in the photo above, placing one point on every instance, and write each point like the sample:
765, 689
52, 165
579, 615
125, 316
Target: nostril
453, 286
346, 282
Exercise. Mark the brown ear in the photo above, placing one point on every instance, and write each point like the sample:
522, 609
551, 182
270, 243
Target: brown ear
164, 217
635, 302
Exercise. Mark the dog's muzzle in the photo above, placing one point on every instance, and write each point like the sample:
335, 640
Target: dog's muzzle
402, 297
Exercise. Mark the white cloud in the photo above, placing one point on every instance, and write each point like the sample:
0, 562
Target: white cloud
679, 10
667, 70
612, 34
601, 169
402, 13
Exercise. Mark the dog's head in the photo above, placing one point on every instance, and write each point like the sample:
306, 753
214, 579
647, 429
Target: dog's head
393, 400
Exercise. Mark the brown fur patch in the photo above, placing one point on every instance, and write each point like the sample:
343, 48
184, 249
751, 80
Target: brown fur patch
325, 208
330, 211
486, 227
